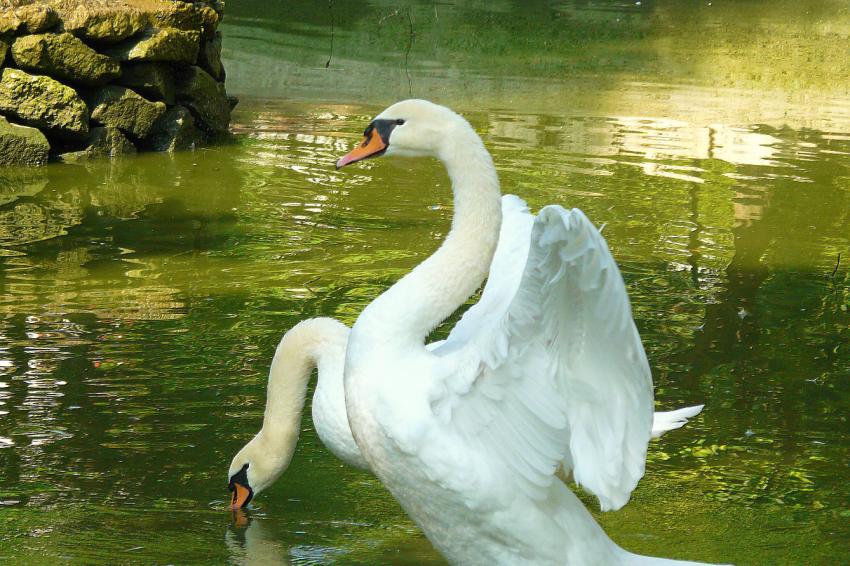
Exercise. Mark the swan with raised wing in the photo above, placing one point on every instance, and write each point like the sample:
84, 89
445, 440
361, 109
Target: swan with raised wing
545, 373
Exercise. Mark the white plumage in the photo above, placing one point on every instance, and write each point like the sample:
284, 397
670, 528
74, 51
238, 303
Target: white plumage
554, 346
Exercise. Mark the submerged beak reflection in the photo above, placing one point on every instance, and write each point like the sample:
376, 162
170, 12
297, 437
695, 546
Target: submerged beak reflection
240, 519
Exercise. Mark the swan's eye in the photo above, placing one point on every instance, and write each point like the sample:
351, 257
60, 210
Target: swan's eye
399, 122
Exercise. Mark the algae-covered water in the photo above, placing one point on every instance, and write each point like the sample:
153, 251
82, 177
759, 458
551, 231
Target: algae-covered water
141, 299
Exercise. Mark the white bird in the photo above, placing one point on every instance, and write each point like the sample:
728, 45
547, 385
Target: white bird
319, 343
545, 373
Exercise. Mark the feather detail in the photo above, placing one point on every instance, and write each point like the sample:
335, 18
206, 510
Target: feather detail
560, 379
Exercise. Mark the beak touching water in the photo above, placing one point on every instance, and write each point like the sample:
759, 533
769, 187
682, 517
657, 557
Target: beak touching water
240, 489
372, 145
241, 496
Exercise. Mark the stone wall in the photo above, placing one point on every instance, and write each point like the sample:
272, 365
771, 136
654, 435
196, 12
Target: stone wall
85, 78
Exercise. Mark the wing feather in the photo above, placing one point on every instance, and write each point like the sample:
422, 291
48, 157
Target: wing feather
548, 371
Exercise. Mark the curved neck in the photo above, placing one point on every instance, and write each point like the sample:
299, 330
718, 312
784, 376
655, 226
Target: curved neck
422, 299
309, 344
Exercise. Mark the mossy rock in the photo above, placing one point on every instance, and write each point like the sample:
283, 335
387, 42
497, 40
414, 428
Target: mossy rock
207, 100
165, 51
209, 57
9, 22
104, 141
172, 45
21, 145
110, 142
154, 81
36, 18
103, 23
178, 15
122, 108
43, 102
65, 57
110, 21
217, 6
4, 48
175, 130
210, 19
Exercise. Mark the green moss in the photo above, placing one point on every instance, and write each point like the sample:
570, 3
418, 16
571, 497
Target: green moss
22, 145
36, 18
9, 22
172, 45
103, 23
124, 109
43, 102
65, 57
4, 48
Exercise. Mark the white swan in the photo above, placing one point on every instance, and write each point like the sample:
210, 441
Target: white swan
546, 371
320, 343
549, 373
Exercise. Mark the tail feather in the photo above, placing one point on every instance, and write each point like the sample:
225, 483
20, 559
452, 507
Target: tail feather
664, 421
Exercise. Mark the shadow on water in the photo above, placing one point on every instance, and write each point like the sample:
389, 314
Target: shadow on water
142, 298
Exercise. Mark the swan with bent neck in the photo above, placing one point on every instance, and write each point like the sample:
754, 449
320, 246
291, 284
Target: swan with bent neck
546, 373
314, 343
319, 343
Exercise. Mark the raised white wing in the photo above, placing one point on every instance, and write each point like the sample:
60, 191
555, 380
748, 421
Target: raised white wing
505, 272
548, 369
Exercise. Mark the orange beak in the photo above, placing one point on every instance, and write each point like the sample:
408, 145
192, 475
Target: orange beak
241, 495
371, 146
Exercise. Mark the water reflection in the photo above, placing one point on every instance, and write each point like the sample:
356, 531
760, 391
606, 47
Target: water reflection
260, 540
249, 542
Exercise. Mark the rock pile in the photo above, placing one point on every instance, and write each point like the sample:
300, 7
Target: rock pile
83, 78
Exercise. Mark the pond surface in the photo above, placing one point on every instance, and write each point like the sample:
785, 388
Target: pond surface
141, 299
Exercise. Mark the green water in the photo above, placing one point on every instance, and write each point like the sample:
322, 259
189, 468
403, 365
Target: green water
141, 299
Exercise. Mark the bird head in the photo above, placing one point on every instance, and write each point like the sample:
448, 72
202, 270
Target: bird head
411, 128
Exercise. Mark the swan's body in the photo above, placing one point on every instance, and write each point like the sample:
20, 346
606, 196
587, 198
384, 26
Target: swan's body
545, 373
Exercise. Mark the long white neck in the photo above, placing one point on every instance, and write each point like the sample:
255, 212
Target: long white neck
421, 300
311, 343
